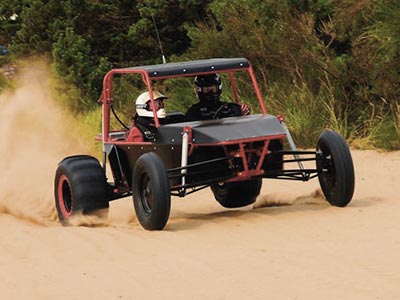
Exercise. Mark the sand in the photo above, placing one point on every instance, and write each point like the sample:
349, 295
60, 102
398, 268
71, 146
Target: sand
290, 245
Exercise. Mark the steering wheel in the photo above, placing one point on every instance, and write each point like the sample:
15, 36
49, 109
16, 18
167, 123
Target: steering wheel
229, 109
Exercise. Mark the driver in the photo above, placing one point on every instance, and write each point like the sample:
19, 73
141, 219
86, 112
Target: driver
208, 89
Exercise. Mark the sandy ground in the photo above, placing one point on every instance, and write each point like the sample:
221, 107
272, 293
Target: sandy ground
290, 245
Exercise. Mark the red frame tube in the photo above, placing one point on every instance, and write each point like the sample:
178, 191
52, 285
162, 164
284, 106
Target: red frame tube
234, 88
255, 84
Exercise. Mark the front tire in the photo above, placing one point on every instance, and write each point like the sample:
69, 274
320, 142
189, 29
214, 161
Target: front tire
237, 194
151, 192
80, 186
335, 168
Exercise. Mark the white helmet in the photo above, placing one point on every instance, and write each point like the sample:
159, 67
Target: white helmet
143, 104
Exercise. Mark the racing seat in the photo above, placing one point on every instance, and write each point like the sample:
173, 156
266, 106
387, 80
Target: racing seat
173, 117
147, 127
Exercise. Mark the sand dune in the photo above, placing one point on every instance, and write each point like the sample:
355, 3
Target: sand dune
290, 245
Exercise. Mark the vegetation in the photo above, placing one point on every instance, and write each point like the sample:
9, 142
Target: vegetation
320, 63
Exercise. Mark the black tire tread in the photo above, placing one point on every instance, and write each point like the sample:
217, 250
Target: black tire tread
88, 185
237, 194
151, 164
342, 194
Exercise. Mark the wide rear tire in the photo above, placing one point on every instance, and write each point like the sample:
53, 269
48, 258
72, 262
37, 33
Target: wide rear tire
335, 168
151, 192
237, 194
80, 186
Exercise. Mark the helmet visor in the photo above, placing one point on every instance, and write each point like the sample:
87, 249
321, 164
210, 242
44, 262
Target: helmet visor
158, 103
209, 89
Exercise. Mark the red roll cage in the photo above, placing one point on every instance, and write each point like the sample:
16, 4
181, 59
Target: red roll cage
174, 70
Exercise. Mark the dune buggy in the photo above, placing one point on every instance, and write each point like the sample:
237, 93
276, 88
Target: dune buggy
230, 153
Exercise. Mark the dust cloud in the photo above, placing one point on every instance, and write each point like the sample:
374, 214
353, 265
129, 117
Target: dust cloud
314, 198
35, 136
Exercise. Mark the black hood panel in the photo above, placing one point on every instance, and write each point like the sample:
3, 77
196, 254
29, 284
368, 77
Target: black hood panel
222, 130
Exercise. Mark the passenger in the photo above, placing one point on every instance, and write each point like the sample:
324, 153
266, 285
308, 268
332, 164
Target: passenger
144, 117
208, 89
144, 111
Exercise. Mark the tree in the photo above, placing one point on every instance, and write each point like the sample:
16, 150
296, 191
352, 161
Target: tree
74, 63
10, 20
171, 18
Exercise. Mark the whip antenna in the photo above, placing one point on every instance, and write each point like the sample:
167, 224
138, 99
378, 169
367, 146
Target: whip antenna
159, 41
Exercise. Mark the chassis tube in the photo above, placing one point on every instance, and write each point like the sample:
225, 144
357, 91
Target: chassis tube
184, 160
293, 147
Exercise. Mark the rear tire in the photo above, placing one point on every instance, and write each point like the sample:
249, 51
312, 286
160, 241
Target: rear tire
237, 194
80, 186
274, 160
335, 168
151, 192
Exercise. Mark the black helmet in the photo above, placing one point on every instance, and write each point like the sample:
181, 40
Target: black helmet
206, 81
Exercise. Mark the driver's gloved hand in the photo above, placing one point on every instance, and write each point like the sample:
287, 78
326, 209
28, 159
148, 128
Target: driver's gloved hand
245, 109
149, 135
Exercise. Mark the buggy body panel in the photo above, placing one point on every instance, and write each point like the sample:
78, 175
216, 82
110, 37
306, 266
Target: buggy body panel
223, 130
211, 141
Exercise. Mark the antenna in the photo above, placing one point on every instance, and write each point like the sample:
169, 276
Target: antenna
159, 41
